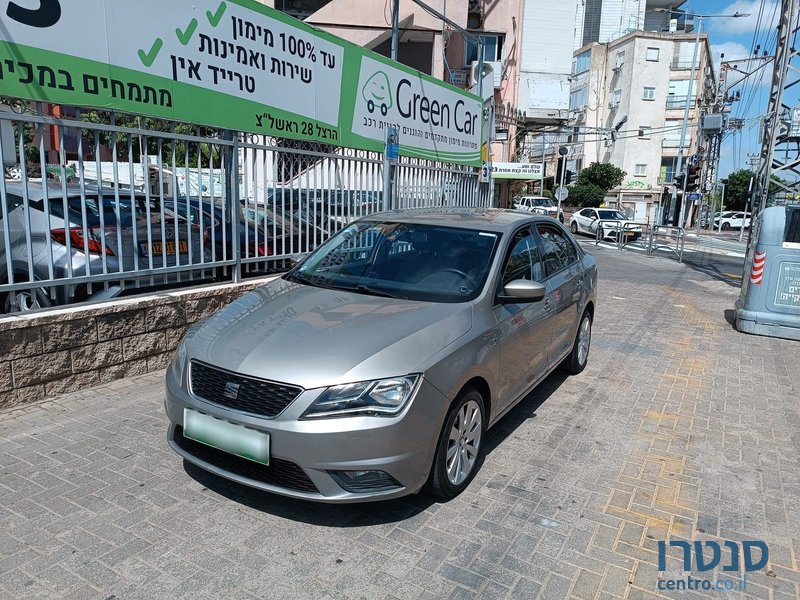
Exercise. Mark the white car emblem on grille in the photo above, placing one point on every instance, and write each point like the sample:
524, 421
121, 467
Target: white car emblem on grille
231, 390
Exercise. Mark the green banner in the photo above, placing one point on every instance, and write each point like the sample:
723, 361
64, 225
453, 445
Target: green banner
234, 64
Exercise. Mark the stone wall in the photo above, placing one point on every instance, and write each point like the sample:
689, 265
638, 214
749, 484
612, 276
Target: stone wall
63, 350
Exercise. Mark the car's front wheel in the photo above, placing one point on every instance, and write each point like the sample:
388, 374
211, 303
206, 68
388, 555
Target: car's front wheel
577, 359
459, 453
726, 226
574, 228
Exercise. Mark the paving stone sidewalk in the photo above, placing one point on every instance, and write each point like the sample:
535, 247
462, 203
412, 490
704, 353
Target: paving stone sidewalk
679, 429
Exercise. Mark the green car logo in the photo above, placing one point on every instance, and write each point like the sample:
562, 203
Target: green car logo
377, 93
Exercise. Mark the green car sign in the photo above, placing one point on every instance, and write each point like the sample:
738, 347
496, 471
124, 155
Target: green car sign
377, 93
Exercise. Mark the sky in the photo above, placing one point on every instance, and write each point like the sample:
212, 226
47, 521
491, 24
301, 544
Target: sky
737, 38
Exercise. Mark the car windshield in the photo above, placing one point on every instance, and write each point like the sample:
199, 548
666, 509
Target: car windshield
614, 215
430, 263
546, 202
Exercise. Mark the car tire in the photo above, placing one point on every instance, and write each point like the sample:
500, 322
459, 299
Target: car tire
574, 228
26, 300
458, 430
726, 226
577, 359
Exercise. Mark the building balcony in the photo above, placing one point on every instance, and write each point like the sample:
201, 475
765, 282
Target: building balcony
679, 102
682, 64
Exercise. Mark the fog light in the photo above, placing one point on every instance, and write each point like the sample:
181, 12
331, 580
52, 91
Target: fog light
359, 482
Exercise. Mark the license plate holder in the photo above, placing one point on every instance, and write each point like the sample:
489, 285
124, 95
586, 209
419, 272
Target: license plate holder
158, 248
238, 440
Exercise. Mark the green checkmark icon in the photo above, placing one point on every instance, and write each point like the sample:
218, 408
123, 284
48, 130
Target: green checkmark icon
147, 58
214, 18
186, 35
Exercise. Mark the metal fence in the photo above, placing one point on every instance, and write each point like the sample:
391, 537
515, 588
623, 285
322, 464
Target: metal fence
89, 210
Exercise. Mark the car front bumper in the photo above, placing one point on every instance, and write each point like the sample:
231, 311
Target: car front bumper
306, 454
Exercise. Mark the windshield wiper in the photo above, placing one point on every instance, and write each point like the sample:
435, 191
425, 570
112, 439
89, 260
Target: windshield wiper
376, 292
296, 278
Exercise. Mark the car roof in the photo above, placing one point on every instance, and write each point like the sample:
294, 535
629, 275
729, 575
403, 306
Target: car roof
55, 190
485, 219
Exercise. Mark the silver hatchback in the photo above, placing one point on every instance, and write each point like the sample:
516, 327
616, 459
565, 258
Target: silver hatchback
374, 368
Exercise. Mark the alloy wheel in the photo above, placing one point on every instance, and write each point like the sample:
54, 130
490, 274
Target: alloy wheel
464, 443
584, 339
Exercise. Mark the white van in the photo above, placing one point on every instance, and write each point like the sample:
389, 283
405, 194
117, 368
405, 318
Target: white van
538, 204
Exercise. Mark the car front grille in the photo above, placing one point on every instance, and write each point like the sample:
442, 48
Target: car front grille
280, 473
231, 390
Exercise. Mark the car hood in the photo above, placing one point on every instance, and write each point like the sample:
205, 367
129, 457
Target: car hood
315, 337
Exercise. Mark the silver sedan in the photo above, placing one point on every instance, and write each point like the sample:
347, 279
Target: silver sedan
374, 368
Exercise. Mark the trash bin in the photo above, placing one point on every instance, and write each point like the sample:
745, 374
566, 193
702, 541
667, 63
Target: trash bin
769, 303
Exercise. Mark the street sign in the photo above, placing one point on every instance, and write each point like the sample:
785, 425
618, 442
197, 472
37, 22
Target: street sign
562, 194
507, 170
486, 172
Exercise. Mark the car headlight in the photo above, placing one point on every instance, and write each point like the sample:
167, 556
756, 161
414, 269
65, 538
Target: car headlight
379, 398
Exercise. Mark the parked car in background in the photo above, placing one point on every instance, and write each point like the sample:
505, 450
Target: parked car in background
538, 204
374, 367
706, 220
588, 220
112, 235
217, 223
732, 220
288, 234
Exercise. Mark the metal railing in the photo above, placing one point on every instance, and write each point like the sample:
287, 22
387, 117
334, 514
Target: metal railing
619, 232
116, 208
677, 102
667, 237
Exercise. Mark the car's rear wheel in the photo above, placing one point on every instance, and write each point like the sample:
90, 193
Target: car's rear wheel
577, 359
25, 300
459, 453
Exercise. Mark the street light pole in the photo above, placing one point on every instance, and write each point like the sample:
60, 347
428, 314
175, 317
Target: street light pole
388, 167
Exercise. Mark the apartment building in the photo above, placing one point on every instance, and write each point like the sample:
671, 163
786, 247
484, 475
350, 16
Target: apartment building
607, 20
627, 106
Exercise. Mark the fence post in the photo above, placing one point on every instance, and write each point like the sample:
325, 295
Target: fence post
231, 167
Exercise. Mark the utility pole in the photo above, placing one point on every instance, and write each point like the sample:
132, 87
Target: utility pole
388, 162
692, 88
776, 129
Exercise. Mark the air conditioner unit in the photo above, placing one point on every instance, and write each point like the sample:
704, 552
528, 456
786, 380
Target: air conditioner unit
496, 66
617, 68
613, 104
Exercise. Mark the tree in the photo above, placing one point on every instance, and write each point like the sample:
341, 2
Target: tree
586, 195
181, 147
737, 186
602, 175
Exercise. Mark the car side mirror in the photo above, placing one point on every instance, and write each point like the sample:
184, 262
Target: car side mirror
522, 290
593, 217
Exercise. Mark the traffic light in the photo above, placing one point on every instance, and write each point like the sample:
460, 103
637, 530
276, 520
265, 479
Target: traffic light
567, 173
680, 180
693, 183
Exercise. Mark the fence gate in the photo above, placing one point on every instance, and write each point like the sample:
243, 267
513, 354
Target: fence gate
97, 206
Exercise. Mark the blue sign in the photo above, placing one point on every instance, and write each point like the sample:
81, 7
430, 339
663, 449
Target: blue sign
694, 196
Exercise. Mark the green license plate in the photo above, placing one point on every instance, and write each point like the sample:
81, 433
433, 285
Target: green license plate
228, 437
